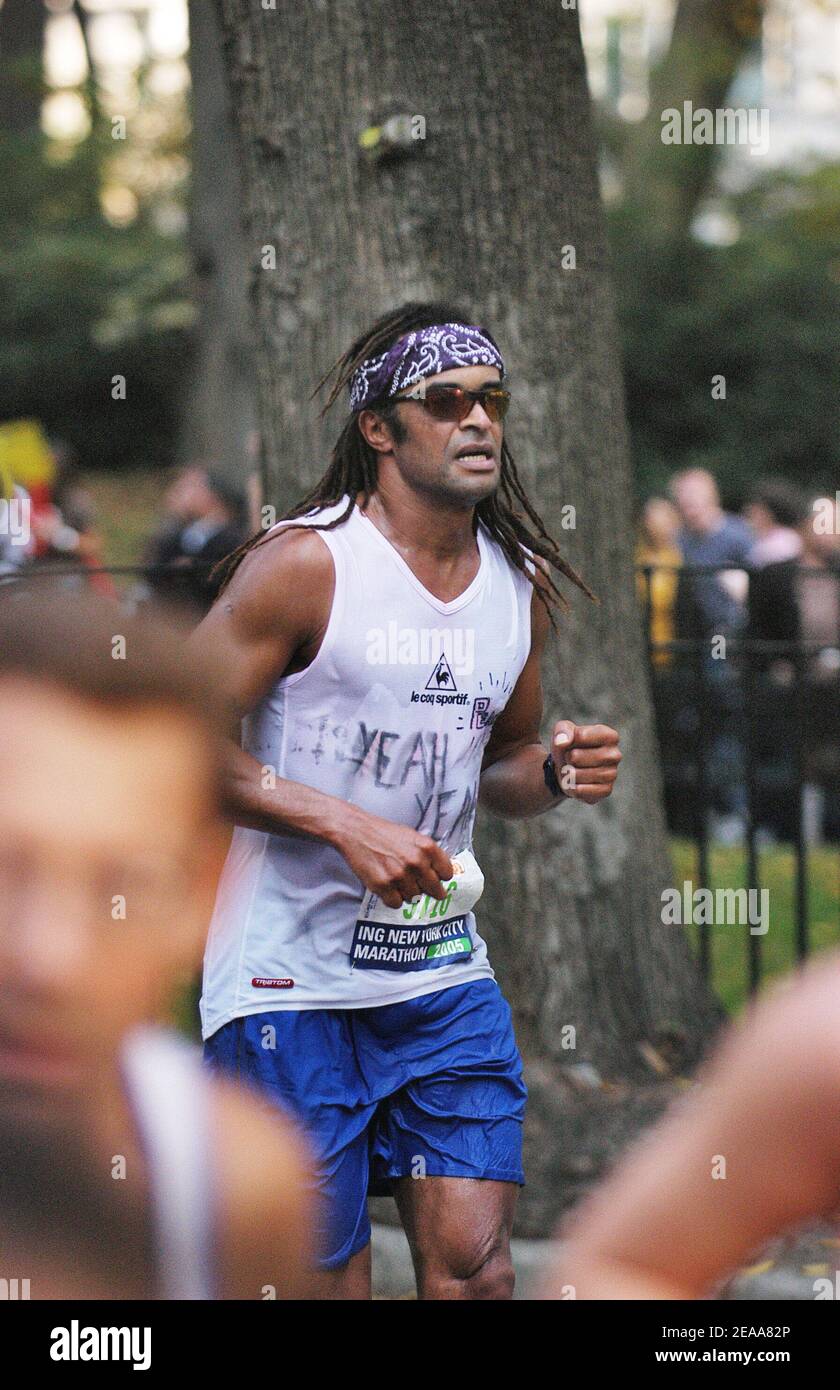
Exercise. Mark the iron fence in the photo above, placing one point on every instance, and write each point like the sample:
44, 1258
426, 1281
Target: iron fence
755, 716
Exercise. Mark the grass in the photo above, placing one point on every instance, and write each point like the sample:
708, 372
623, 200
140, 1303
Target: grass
127, 510
777, 873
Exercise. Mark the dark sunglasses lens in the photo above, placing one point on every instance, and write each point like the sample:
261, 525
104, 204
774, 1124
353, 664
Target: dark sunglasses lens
447, 402
452, 403
496, 404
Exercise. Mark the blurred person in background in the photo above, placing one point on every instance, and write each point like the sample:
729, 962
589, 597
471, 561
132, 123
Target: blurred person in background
657, 547
749, 1153
798, 600
104, 726
64, 526
205, 520
709, 607
789, 602
178, 510
774, 511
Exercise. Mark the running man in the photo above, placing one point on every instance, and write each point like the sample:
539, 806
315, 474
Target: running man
750, 1153
382, 645
109, 844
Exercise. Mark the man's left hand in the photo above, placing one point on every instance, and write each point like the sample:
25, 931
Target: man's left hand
586, 758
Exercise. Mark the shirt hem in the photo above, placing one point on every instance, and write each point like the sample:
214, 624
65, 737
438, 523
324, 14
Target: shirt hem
271, 1004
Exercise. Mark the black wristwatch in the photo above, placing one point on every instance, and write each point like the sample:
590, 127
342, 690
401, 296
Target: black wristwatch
550, 777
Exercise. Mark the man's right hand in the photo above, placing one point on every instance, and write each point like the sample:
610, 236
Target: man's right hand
394, 861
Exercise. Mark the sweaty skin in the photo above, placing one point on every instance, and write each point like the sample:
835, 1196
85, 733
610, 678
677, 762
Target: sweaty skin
459, 1229
667, 1224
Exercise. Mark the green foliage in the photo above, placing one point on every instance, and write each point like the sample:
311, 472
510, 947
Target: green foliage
84, 300
763, 312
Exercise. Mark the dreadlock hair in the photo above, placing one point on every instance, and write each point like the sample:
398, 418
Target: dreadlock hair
353, 465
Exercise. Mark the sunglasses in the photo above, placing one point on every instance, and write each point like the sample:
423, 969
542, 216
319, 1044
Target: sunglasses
454, 403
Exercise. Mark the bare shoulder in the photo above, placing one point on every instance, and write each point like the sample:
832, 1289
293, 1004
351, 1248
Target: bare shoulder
263, 1168
289, 569
274, 611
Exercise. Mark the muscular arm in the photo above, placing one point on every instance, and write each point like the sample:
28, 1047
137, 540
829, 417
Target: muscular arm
275, 608
270, 620
663, 1225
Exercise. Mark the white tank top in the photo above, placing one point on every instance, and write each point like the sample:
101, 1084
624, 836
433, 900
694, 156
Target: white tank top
170, 1095
393, 714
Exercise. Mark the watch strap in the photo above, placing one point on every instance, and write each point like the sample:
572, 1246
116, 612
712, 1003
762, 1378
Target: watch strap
550, 777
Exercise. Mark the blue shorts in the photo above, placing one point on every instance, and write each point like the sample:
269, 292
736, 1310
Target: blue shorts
431, 1087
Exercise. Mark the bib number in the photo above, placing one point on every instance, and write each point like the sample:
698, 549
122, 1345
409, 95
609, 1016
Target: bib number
424, 933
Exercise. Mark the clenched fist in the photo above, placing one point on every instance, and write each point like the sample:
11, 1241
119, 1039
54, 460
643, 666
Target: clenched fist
586, 758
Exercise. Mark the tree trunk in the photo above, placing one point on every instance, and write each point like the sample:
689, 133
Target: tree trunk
22, 24
481, 211
710, 39
219, 413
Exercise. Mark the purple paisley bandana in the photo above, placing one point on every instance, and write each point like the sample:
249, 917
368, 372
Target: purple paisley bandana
423, 353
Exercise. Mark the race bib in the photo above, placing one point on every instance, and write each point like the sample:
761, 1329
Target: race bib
424, 933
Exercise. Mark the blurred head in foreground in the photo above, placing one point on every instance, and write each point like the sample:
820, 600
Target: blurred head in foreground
110, 844
109, 836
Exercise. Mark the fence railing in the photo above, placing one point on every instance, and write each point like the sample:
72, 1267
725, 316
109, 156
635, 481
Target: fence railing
32, 573
749, 735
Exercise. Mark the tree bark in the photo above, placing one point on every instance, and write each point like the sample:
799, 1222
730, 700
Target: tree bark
22, 24
480, 211
219, 412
